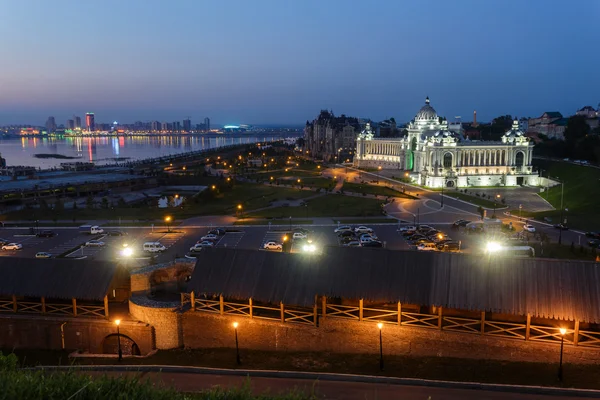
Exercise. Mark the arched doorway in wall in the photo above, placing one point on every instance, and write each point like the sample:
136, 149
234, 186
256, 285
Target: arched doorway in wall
110, 345
450, 184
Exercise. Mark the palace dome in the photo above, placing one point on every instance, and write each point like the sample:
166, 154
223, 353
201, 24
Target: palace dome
426, 113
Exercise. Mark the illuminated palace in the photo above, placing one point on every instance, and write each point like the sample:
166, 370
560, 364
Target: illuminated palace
437, 156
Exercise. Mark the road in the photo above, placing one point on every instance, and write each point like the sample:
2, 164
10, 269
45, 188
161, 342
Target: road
334, 390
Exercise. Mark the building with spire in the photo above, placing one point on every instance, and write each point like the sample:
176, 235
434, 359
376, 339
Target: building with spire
436, 156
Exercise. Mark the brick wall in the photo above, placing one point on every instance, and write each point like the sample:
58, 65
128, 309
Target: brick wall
87, 335
165, 320
204, 330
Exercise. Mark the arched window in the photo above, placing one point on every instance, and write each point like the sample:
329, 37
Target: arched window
520, 159
448, 160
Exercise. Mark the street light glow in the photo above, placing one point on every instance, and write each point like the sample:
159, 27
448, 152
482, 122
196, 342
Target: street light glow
168, 218
309, 248
235, 325
239, 206
380, 325
117, 322
493, 247
562, 331
127, 252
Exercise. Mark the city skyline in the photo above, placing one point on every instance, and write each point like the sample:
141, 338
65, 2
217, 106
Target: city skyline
372, 61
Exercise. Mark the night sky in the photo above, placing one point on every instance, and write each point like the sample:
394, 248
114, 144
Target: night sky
282, 61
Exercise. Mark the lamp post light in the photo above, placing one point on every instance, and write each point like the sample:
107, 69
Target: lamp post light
167, 220
562, 342
378, 174
118, 322
237, 347
239, 207
520, 208
380, 326
442, 195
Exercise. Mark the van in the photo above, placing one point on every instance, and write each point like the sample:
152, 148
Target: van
154, 247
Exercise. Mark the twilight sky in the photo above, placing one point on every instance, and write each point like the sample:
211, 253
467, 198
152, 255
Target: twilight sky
280, 61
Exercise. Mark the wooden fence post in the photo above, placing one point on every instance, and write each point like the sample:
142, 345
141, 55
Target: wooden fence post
528, 326
399, 313
324, 306
440, 318
360, 310
43, 305
221, 305
14, 299
74, 306
316, 313
193, 300
482, 322
281, 311
576, 333
250, 307
106, 306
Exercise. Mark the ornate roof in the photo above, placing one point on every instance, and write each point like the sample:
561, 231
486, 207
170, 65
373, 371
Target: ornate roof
426, 113
514, 135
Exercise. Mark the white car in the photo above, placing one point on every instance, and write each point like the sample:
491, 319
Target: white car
94, 243
364, 239
206, 243
210, 236
371, 236
408, 228
195, 248
529, 228
12, 246
427, 247
273, 246
363, 229
43, 254
343, 228
299, 236
354, 243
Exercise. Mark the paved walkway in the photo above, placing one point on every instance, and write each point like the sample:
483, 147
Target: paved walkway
334, 390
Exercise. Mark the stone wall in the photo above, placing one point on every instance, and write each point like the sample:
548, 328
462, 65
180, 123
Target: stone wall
204, 330
162, 316
170, 274
86, 335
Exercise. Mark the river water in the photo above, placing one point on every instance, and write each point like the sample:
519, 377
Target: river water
108, 150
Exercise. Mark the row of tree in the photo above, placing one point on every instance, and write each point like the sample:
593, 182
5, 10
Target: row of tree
581, 142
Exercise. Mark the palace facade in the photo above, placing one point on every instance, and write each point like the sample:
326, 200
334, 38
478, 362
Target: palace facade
437, 156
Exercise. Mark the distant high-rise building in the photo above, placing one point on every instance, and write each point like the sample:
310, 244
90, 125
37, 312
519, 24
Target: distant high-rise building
50, 124
89, 121
207, 124
77, 122
164, 126
176, 126
70, 124
155, 126
187, 125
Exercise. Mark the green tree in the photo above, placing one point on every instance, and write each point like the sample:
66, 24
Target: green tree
121, 203
104, 203
43, 204
59, 206
89, 202
577, 128
75, 205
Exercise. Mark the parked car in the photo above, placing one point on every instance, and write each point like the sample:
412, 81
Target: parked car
94, 243
370, 235
409, 233
372, 243
45, 234
43, 254
593, 242
348, 239
154, 247
273, 246
12, 246
116, 233
196, 248
205, 243
462, 222
425, 228
422, 241
363, 229
561, 227
209, 236
449, 246
299, 236
301, 230
427, 247
342, 229
4, 241
346, 234
407, 228
529, 228
352, 243
218, 231
364, 239
416, 236
593, 235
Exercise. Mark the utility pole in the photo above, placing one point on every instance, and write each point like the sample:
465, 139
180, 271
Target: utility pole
560, 225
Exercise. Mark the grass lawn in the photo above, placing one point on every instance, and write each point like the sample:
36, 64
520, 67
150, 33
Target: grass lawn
333, 205
292, 173
581, 193
478, 201
436, 368
367, 221
253, 221
373, 189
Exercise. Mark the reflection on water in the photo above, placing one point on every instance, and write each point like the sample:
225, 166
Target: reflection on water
105, 150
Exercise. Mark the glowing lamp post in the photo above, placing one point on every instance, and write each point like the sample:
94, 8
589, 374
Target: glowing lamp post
117, 323
237, 347
380, 326
562, 342
239, 207
168, 219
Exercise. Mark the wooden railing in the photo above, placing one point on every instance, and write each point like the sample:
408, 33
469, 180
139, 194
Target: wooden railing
395, 315
42, 307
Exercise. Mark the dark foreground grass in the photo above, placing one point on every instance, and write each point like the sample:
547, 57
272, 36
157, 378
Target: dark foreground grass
436, 368
335, 205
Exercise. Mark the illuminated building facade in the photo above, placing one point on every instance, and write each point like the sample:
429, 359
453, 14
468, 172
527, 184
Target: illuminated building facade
89, 121
436, 156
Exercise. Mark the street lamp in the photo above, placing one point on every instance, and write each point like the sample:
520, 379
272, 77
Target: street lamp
380, 326
520, 208
495, 197
239, 207
118, 322
562, 342
167, 220
237, 347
